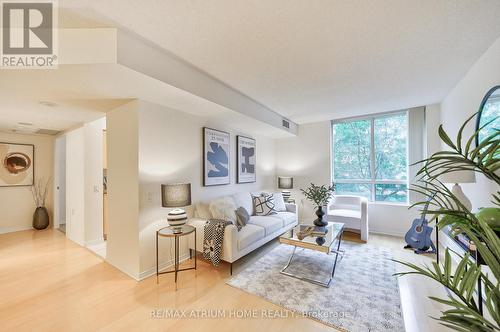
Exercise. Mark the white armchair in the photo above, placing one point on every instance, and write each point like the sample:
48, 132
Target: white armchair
350, 210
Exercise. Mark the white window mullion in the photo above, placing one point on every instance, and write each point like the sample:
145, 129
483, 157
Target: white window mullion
372, 156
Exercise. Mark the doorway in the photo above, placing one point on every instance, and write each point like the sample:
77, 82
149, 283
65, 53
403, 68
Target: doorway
60, 183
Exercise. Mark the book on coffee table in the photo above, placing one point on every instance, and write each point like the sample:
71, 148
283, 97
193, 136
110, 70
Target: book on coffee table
308, 230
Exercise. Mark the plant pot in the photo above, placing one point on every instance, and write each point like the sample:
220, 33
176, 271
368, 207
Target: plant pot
319, 221
40, 218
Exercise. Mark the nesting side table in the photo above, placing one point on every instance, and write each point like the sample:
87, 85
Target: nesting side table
169, 232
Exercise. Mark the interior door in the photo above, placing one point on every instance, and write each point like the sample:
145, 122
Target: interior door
60, 181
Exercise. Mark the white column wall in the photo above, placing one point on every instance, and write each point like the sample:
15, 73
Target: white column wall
75, 186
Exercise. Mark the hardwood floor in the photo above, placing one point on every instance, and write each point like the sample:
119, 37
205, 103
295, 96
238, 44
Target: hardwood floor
48, 283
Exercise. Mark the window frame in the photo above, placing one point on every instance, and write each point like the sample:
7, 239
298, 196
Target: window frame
373, 181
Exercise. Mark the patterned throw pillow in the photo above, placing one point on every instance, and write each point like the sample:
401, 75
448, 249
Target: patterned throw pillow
264, 205
242, 217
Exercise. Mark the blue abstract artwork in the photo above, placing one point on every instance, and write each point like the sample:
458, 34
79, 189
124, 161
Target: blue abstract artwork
219, 159
216, 156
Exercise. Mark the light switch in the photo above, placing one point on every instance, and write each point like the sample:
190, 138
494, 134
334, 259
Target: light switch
149, 197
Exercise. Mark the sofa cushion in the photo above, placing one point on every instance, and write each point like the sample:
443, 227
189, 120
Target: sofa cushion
244, 200
286, 217
348, 217
249, 235
223, 208
270, 224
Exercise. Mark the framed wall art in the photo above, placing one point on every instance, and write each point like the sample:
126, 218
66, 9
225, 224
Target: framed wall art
216, 157
17, 164
246, 159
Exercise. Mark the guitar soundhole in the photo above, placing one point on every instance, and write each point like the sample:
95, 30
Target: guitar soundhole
418, 229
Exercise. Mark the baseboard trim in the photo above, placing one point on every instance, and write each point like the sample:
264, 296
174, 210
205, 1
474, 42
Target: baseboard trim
387, 233
130, 274
94, 242
5, 230
162, 266
151, 271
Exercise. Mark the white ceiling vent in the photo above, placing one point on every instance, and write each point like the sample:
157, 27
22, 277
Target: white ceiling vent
286, 124
48, 132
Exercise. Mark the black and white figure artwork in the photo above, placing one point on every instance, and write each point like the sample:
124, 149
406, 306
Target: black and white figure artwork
216, 157
246, 159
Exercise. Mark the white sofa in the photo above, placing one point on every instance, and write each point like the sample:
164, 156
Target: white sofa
258, 231
350, 210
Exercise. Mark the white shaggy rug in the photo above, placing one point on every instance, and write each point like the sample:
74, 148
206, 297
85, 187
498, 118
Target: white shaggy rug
363, 296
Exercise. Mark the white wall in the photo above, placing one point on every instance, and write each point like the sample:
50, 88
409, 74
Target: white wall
432, 122
16, 203
149, 145
75, 185
93, 180
463, 101
170, 151
122, 136
307, 158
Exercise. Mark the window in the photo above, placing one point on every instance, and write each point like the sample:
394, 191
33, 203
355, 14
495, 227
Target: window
370, 157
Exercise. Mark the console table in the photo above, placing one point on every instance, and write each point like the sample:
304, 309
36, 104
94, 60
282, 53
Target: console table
474, 255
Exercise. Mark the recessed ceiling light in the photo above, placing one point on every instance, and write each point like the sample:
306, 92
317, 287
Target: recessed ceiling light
47, 103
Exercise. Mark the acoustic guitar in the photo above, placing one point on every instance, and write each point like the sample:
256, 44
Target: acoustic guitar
418, 236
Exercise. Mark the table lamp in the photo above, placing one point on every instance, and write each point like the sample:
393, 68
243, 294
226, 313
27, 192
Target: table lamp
176, 196
457, 177
285, 183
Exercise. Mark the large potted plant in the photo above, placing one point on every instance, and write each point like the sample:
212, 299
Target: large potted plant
319, 195
40, 191
464, 313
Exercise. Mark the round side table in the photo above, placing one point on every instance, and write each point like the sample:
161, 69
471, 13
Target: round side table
169, 232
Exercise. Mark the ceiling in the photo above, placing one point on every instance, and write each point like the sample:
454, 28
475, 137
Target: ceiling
313, 60
306, 60
75, 94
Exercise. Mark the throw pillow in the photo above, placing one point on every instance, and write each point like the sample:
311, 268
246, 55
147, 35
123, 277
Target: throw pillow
264, 205
242, 217
279, 202
223, 208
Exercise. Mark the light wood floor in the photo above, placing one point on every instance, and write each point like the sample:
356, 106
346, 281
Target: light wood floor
48, 283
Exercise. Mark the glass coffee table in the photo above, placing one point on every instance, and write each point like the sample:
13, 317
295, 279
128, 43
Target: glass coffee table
323, 239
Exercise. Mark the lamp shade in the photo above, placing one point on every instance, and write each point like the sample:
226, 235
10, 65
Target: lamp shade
458, 177
285, 182
176, 195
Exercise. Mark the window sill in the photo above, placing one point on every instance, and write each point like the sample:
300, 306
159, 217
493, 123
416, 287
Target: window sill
407, 205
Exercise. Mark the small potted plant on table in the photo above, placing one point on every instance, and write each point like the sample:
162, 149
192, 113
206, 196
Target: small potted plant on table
319, 195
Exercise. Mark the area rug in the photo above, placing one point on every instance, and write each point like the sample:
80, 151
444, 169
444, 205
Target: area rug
363, 296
